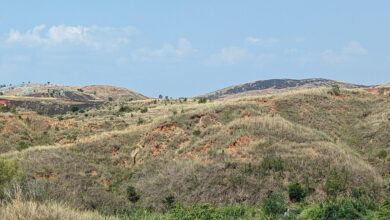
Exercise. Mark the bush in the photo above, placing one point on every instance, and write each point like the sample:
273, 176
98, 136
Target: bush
9, 172
197, 211
196, 132
381, 91
274, 204
339, 209
335, 183
168, 201
74, 108
140, 121
4, 109
110, 99
382, 154
202, 100
132, 195
335, 90
125, 109
23, 145
144, 110
296, 193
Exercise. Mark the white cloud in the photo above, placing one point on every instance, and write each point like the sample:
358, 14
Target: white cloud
229, 55
91, 36
183, 48
262, 42
352, 50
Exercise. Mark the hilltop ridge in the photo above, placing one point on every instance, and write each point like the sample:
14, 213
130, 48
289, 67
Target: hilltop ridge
271, 86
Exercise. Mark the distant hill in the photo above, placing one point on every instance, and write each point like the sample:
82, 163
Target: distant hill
271, 86
385, 85
58, 99
73, 93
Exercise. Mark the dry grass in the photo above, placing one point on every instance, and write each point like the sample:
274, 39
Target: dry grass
201, 152
19, 209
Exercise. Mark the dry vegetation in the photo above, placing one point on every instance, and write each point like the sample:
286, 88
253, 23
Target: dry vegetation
221, 152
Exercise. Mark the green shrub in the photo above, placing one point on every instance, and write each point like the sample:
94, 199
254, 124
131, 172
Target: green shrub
23, 145
335, 183
202, 100
71, 137
381, 91
196, 132
9, 172
140, 121
74, 108
382, 154
296, 193
168, 201
232, 212
198, 211
132, 195
4, 109
335, 90
125, 109
144, 110
339, 209
110, 99
274, 204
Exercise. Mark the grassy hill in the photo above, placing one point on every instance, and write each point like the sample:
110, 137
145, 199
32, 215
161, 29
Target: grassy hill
272, 86
73, 93
231, 153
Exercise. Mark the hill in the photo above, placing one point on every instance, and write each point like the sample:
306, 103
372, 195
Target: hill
384, 86
56, 99
73, 93
230, 152
272, 86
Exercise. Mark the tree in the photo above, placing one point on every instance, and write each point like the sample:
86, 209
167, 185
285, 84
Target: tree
160, 96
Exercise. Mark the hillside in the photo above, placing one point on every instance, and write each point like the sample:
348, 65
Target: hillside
73, 93
384, 85
272, 86
58, 99
222, 152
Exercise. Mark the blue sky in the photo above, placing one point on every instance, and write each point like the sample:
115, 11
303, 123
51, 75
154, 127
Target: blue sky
187, 48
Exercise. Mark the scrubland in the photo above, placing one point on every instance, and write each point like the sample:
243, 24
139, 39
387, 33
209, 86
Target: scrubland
181, 159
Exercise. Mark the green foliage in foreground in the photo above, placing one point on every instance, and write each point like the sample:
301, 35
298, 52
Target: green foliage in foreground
273, 207
9, 172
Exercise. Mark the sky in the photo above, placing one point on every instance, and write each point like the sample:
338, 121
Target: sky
187, 48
